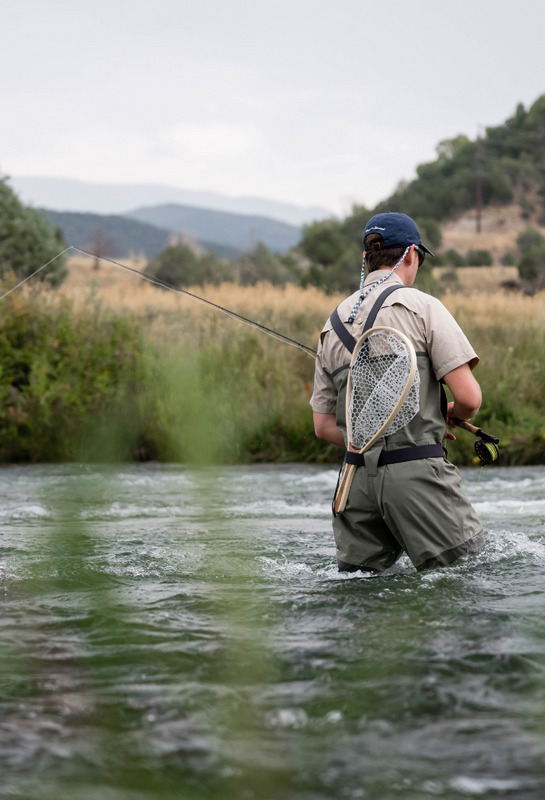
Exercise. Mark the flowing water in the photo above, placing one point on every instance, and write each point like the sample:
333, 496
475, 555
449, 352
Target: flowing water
168, 632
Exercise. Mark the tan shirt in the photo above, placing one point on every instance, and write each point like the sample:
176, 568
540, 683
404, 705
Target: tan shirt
421, 317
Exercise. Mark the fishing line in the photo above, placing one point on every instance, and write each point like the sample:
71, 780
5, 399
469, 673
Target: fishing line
164, 285
486, 446
478, 482
38, 270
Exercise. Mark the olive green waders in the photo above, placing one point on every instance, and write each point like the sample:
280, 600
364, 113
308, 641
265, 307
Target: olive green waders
415, 506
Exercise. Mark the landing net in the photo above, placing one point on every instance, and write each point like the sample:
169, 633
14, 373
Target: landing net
379, 375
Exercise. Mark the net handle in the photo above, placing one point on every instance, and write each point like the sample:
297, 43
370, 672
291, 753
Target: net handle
349, 470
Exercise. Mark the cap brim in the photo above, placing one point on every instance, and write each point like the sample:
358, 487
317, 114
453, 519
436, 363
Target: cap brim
423, 246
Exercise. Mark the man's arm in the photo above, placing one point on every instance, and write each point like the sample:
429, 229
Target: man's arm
467, 401
325, 427
466, 393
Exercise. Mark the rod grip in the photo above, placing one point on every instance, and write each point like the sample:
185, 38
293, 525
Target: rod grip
467, 426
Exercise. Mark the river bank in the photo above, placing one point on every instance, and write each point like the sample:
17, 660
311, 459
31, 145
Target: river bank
110, 369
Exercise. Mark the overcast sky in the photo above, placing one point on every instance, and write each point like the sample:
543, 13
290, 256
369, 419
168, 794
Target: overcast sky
310, 101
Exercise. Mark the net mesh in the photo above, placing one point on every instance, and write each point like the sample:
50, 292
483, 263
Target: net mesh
379, 376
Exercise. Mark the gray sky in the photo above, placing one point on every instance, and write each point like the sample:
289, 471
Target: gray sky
309, 101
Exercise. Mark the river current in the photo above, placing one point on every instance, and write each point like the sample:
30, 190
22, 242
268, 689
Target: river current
169, 632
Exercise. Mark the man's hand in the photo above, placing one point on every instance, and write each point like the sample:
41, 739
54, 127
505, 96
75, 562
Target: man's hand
450, 421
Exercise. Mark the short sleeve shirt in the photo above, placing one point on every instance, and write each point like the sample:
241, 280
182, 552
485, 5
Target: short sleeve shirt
421, 317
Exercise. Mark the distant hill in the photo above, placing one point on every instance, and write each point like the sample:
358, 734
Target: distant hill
235, 230
510, 158
124, 235
508, 162
64, 194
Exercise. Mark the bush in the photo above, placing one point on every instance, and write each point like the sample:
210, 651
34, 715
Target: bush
27, 240
180, 266
60, 373
263, 265
479, 258
452, 258
528, 239
508, 259
532, 264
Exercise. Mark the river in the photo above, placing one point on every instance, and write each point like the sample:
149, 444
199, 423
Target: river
169, 632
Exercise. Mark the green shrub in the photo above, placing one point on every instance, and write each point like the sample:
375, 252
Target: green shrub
479, 258
508, 259
452, 258
178, 265
532, 264
263, 265
528, 239
61, 372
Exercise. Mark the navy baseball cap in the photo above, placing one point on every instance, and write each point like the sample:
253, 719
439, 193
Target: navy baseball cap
397, 230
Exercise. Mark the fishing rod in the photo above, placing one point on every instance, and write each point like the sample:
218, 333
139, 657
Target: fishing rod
169, 287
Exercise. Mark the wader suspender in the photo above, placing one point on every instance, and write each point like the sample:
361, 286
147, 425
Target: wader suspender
386, 456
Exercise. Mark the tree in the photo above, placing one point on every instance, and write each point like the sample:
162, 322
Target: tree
28, 240
101, 246
263, 265
178, 265
429, 231
323, 242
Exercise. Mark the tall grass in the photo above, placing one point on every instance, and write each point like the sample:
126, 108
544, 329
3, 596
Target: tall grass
119, 370
508, 332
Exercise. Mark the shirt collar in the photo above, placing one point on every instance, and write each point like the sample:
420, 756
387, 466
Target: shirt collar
375, 276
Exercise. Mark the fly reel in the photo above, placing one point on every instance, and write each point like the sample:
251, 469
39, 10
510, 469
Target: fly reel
487, 451
486, 446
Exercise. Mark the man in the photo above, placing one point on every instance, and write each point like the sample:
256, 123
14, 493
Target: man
409, 500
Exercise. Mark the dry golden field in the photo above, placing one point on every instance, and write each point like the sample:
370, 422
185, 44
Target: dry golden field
281, 308
477, 279
126, 292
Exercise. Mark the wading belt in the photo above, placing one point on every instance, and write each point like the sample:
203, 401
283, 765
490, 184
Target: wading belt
387, 456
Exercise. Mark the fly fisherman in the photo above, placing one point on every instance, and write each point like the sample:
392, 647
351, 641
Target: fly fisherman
406, 497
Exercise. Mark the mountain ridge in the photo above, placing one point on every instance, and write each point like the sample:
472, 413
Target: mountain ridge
119, 237
71, 195
222, 227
